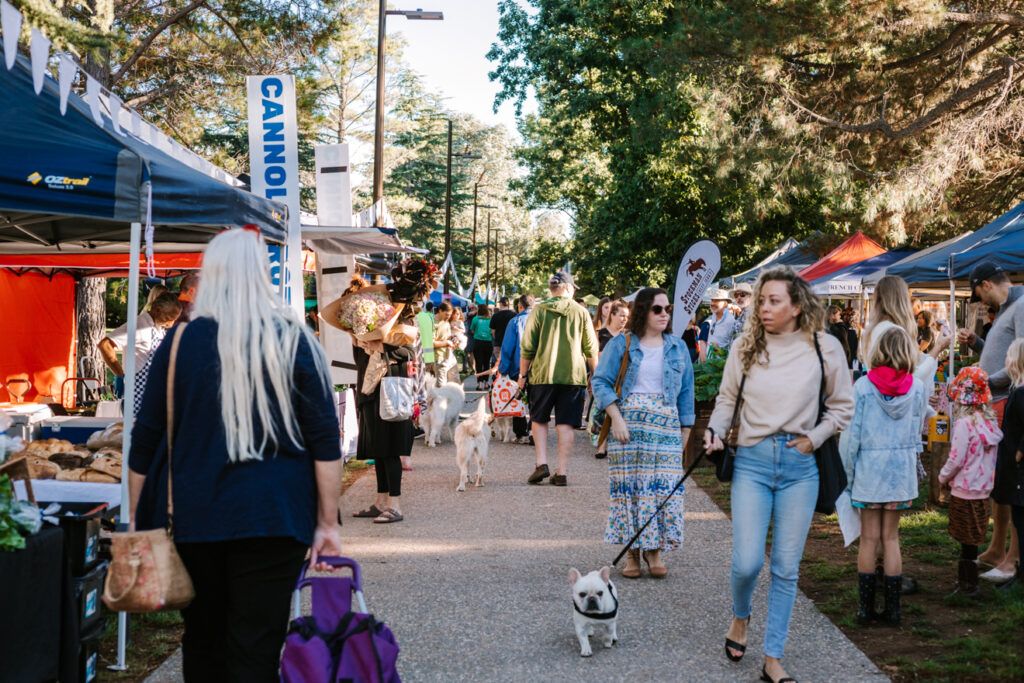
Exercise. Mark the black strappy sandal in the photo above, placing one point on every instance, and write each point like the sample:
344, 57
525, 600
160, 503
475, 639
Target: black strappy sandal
733, 645
769, 679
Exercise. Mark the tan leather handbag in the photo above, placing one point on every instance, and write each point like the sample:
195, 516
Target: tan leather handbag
146, 573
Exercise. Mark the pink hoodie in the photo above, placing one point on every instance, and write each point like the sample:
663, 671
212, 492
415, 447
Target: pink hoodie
972, 458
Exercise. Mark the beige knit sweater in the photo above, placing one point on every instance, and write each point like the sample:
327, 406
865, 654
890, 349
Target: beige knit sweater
781, 394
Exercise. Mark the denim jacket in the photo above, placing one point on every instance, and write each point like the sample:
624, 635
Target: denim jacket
676, 368
880, 448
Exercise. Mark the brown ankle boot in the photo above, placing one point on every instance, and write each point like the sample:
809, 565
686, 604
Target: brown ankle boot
632, 568
655, 566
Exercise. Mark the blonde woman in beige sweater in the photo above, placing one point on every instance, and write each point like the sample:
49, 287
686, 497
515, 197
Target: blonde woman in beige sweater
775, 480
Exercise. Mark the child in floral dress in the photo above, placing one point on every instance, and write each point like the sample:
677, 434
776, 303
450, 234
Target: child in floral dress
970, 470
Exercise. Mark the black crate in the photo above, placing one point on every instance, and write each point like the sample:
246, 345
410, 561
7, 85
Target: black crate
88, 592
88, 662
81, 533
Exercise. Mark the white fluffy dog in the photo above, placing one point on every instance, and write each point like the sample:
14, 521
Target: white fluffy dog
471, 439
502, 429
443, 407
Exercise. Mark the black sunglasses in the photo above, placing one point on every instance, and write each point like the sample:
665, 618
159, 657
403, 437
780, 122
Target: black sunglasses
741, 294
658, 308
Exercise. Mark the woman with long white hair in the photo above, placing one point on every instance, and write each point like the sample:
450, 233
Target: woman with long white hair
256, 469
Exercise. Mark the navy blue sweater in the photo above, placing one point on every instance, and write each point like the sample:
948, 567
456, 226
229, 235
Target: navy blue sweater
215, 499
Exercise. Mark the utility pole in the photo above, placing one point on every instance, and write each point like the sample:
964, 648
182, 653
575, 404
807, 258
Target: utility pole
448, 209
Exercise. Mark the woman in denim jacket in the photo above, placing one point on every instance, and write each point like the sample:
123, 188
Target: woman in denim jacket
650, 425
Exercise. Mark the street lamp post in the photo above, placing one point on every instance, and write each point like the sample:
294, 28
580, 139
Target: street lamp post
378, 131
448, 201
496, 231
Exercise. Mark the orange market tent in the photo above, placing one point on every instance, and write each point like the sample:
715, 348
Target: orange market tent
859, 247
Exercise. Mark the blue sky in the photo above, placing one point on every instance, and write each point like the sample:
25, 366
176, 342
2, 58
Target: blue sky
452, 54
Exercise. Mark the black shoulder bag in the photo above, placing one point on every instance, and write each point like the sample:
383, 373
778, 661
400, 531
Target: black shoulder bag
723, 459
831, 473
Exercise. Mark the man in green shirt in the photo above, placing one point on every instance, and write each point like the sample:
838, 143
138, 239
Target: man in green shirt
557, 347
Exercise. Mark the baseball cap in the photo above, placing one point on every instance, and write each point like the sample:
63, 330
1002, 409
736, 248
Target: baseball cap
983, 271
561, 278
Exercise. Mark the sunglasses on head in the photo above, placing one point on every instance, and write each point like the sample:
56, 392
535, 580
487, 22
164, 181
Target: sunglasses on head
657, 309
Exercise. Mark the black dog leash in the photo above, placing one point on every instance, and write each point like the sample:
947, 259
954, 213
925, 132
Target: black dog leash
692, 467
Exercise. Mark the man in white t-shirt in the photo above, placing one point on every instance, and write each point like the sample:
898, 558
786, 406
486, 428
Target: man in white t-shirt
722, 321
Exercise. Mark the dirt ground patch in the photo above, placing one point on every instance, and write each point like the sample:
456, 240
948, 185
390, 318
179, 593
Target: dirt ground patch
940, 638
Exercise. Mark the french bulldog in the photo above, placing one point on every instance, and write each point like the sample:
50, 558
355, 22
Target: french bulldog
594, 603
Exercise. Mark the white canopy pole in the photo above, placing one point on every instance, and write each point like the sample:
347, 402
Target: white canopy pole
952, 327
128, 410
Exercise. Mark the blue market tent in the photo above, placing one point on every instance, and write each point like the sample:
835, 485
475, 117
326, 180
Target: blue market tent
1001, 241
437, 297
66, 180
847, 282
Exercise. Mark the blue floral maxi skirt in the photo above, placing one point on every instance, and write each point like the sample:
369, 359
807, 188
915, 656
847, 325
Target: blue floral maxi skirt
642, 472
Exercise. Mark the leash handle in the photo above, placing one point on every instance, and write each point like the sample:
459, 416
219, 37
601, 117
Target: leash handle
689, 471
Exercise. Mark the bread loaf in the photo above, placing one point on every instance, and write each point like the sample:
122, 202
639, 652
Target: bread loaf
40, 468
112, 436
99, 477
107, 465
69, 461
109, 452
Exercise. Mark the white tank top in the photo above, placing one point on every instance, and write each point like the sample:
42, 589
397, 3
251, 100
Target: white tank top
649, 378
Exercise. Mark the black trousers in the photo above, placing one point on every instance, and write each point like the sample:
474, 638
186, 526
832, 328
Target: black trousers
389, 476
482, 355
235, 626
520, 426
1017, 516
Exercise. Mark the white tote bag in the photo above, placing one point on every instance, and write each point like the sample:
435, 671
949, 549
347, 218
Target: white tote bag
397, 399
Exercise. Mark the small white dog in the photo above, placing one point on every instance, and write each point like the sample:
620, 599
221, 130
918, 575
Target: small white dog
594, 603
443, 407
471, 439
501, 427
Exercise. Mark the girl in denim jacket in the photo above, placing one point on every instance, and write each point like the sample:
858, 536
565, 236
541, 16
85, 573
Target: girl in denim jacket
880, 455
970, 471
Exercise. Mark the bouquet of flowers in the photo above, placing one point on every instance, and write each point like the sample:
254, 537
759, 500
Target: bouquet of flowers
413, 280
367, 313
362, 313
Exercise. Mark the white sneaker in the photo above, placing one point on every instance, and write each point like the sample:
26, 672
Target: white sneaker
996, 576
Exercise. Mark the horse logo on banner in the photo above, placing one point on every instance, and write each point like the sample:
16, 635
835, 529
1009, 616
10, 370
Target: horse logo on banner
698, 268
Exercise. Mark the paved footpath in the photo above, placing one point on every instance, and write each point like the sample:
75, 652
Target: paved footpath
475, 584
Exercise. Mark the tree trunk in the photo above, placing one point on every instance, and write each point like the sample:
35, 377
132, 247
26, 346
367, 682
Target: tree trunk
91, 314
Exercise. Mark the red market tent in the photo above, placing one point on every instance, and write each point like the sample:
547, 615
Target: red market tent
859, 247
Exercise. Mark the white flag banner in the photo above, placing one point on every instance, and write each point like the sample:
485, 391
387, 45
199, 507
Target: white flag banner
40, 51
92, 94
115, 113
135, 124
697, 270
66, 72
10, 24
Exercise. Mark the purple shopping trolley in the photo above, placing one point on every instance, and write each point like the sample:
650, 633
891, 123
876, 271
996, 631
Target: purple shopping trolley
336, 644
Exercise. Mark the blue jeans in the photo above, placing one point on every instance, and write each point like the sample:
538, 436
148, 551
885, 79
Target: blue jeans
771, 483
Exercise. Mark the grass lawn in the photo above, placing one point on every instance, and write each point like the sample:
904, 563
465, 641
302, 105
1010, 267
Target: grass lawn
940, 638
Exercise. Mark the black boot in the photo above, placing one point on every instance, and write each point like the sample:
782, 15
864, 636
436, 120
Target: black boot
893, 589
866, 604
967, 579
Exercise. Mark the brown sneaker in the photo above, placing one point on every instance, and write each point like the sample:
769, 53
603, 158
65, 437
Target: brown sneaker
539, 475
558, 480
